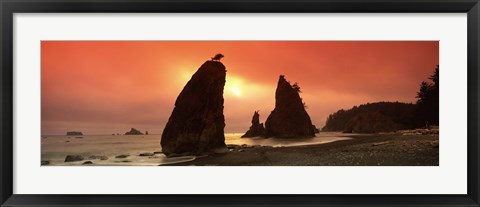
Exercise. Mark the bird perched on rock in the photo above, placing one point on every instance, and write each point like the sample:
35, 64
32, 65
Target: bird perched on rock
217, 57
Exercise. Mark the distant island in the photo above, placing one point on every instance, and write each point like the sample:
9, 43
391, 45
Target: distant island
134, 131
73, 133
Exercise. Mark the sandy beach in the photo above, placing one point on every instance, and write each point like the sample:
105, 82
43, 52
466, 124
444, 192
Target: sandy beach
362, 150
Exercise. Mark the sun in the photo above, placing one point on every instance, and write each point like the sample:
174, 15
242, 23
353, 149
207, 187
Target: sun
234, 86
236, 91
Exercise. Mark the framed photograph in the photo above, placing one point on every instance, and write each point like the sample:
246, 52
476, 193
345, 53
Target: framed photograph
239, 103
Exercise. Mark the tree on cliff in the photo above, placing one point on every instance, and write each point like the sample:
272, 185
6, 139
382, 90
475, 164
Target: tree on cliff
296, 87
428, 100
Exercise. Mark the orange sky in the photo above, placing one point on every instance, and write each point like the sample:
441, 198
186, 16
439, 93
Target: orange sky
108, 87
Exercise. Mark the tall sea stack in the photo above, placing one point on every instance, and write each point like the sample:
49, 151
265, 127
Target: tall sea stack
289, 118
197, 124
257, 128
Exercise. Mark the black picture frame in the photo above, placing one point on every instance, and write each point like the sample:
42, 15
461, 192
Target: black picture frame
10, 7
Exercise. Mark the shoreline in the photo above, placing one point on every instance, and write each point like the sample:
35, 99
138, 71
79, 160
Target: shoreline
361, 150
403, 148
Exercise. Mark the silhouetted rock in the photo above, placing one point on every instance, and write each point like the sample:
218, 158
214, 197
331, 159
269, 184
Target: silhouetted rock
87, 163
134, 131
378, 117
146, 154
257, 128
73, 133
289, 118
73, 158
315, 129
197, 124
146, 132
371, 122
122, 156
124, 161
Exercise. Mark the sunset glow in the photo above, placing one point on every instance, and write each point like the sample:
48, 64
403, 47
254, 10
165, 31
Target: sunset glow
234, 87
105, 87
235, 90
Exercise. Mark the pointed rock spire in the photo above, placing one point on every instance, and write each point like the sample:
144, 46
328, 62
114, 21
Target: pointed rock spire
257, 128
289, 118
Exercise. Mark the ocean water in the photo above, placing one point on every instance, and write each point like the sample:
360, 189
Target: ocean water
320, 138
55, 148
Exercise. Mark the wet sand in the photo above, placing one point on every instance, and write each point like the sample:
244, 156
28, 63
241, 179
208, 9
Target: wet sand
362, 150
144, 150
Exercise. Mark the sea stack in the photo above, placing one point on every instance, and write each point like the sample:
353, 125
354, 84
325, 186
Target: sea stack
133, 131
257, 128
289, 118
196, 125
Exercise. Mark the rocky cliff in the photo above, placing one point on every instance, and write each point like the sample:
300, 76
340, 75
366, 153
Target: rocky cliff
289, 118
197, 123
257, 128
371, 122
374, 117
